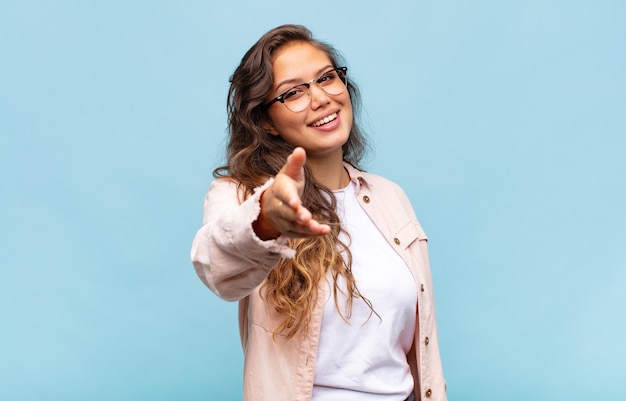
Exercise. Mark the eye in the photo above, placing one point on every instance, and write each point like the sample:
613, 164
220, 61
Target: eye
327, 78
294, 93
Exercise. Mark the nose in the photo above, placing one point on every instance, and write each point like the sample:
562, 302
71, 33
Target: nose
319, 97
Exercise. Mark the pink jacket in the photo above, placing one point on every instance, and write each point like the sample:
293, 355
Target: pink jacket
232, 261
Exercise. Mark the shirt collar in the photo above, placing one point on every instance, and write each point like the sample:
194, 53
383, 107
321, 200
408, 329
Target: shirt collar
357, 176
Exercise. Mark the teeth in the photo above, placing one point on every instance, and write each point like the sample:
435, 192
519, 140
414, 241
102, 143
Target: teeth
325, 120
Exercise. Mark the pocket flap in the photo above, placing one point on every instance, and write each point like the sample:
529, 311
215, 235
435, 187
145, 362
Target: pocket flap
409, 233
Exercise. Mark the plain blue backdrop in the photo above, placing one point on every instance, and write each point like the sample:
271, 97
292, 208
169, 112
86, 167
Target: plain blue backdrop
504, 121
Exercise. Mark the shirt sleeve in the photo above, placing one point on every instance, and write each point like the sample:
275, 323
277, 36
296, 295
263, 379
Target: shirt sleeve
227, 254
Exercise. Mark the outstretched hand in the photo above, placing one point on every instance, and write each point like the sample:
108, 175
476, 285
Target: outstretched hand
281, 210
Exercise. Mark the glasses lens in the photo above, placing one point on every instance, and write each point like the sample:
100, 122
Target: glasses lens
333, 82
298, 98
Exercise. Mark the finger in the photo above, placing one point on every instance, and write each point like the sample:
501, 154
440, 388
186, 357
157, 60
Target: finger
287, 213
315, 228
283, 193
311, 230
294, 167
297, 222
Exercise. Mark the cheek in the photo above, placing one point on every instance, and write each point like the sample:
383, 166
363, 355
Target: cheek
347, 101
289, 124
348, 112
280, 118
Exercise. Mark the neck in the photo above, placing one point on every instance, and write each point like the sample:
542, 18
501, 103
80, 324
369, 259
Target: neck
329, 172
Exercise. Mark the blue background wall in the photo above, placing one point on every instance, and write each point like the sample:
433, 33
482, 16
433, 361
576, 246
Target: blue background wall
503, 120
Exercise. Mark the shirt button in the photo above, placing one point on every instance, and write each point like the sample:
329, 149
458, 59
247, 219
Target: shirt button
428, 393
422, 287
397, 241
366, 199
427, 341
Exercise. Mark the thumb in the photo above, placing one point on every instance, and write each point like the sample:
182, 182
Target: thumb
295, 163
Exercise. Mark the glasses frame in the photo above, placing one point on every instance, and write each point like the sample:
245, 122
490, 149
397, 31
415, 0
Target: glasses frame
281, 97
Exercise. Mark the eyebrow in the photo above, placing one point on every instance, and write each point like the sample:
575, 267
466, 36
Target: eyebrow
297, 81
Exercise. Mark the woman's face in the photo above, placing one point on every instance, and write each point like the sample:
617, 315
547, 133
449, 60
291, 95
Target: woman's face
322, 128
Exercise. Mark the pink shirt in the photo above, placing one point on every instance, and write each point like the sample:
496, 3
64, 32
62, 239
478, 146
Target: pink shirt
233, 262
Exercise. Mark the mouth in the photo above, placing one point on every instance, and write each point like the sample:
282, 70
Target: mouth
325, 120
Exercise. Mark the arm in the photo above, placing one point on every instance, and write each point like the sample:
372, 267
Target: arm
227, 254
238, 244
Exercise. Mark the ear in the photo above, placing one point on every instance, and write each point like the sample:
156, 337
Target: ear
268, 125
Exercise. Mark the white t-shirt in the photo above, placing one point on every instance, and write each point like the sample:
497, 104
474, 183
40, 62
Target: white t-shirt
365, 359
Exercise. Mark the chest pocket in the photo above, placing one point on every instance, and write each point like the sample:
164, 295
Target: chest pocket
408, 234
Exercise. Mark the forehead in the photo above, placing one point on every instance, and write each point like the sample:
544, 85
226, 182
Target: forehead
298, 61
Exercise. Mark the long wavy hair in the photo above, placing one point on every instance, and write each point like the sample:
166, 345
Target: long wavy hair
253, 155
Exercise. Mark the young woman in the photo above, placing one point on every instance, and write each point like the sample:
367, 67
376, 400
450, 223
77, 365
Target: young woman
329, 263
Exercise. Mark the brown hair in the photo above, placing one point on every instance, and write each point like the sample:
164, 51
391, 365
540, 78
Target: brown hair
254, 155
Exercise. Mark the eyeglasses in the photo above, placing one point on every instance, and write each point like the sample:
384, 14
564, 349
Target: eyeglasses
298, 97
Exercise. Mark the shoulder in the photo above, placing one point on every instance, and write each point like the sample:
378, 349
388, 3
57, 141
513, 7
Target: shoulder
223, 185
382, 182
392, 202
227, 187
223, 190
375, 182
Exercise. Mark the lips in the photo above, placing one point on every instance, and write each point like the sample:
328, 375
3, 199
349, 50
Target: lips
325, 120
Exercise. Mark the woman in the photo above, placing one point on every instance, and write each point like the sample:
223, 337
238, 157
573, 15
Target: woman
329, 263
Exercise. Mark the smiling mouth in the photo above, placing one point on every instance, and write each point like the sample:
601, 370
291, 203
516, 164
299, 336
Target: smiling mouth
325, 120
